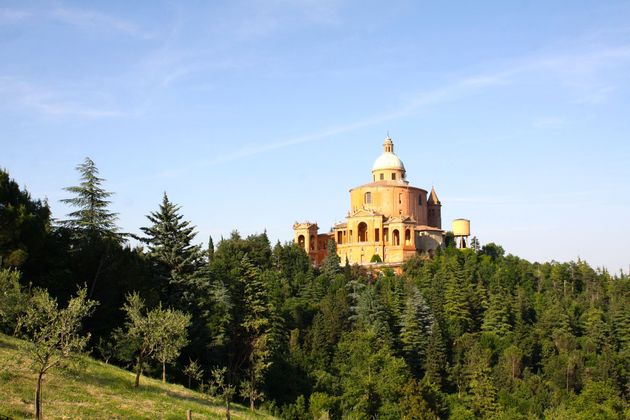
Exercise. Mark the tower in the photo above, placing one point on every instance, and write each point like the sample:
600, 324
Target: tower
461, 231
434, 207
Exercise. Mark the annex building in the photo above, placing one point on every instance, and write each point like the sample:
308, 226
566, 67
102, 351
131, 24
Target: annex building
389, 220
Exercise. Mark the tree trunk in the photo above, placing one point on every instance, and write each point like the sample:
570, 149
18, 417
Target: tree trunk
251, 404
138, 372
163, 372
227, 409
38, 396
98, 270
189, 382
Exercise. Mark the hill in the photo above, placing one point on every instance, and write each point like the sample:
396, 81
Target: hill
93, 389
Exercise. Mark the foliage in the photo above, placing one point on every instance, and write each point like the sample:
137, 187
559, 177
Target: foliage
13, 301
158, 333
24, 226
54, 333
92, 218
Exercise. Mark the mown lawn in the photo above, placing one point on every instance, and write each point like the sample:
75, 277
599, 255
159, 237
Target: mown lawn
94, 390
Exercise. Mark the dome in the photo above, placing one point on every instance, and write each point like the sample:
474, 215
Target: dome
388, 160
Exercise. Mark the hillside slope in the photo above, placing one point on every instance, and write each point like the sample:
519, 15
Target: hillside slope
92, 389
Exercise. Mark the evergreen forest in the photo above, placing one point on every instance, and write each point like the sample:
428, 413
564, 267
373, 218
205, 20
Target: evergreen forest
469, 333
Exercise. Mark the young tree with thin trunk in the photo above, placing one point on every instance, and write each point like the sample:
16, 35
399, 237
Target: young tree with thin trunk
220, 387
193, 371
172, 332
54, 333
158, 333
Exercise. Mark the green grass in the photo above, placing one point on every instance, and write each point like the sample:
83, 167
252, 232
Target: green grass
95, 390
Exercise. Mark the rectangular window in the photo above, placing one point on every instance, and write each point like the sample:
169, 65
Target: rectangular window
382, 177
393, 176
376, 235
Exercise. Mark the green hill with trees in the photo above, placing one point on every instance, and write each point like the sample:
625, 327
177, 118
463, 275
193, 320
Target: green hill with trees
88, 388
467, 334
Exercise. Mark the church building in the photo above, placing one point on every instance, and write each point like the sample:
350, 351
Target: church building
389, 221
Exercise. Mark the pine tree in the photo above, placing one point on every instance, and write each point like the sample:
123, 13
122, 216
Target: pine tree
169, 239
330, 266
415, 330
497, 318
256, 324
456, 309
92, 218
435, 361
177, 260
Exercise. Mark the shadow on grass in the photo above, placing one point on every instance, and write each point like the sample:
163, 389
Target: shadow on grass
118, 382
5, 344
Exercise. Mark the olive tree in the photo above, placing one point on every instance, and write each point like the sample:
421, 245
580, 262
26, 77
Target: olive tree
153, 334
54, 333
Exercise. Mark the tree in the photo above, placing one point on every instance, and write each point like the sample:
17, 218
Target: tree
147, 332
12, 301
172, 335
54, 333
256, 324
220, 387
92, 218
330, 265
415, 330
371, 377
169, 240
194, 371
24, 224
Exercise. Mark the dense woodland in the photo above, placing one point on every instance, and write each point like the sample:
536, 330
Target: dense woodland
470, 333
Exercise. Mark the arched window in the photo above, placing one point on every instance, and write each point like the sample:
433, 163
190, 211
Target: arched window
363, 232
367, 198
395, 237
407, 237
313, 242
400, 198
301, 241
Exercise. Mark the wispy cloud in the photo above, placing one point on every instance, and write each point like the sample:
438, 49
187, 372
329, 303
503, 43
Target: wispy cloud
91, 19
585, 64
50, 102
12, 16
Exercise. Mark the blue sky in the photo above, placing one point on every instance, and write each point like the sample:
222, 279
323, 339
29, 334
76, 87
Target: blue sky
256, 114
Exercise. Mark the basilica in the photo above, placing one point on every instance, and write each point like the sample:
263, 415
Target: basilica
389, 221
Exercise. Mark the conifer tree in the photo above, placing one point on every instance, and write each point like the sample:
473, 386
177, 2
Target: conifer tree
416, 325
436, 358
92, 217
177, 260
456, 309
169, 239
497, 318
330, 266
210, 249
256, 324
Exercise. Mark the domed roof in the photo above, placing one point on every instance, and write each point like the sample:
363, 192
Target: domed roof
388, 160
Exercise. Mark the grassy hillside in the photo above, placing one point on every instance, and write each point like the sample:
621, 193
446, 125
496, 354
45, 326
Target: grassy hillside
92, 389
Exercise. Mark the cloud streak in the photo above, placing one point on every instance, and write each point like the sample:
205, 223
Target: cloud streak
49, 102
585, 64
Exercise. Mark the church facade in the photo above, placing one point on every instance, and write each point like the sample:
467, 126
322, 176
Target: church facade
389, 220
